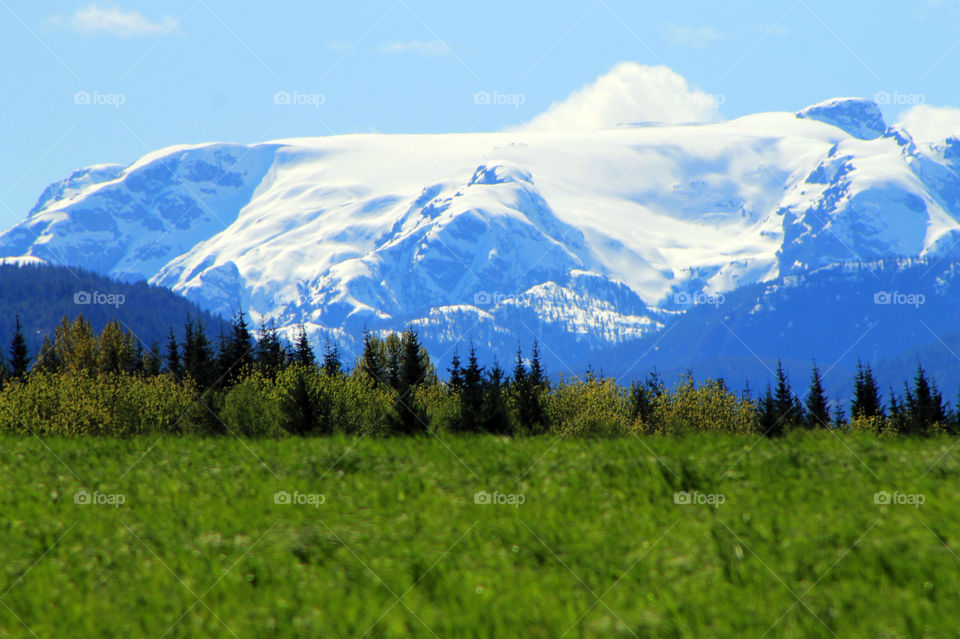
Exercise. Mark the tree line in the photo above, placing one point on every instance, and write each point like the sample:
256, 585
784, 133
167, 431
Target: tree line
254, 382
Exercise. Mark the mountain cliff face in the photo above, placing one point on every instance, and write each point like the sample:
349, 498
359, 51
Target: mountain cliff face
586, 240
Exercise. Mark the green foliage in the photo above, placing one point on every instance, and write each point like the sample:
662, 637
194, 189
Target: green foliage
590, 406
708, 407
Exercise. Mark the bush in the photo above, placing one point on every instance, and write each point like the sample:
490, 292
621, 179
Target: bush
84, 403
708, 407
589, 406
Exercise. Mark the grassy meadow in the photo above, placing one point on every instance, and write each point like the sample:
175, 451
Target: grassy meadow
704, 535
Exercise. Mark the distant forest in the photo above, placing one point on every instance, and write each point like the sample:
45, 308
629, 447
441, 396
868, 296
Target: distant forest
251, 382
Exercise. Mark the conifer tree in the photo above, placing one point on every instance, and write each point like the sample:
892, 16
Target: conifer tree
174, 367
331, 359
494, 415
271, 356
19, 354
302, 350
818, 408
866, 396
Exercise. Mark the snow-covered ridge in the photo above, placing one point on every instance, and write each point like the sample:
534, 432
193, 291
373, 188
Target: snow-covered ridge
590, 238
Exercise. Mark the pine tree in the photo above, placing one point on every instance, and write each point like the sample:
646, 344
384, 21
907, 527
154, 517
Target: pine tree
174, 367
788, 408
331, 359
392, 354
641, 403
924, 406
494, 415
818, 409
411, 416
271, 355
471, 395
373, 363
538, 376
198, 358
839, 418
236, 351
526, 392
116, 350
48, 360
302, 351
866, 395
455, 381
769, 417
19, 354
152, 362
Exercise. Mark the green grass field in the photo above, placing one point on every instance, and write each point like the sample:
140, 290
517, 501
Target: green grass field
597, 548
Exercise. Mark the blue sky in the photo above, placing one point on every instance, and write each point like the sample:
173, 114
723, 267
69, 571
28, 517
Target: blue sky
85, 83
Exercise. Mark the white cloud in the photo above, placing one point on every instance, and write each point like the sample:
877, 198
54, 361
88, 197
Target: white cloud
435, 48
691, 36
630, 92
116, 22
930, 124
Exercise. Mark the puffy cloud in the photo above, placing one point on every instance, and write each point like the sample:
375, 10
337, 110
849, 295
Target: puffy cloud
117, 22
630, 92
931, 124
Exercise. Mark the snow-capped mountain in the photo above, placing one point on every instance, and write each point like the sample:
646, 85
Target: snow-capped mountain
583, 239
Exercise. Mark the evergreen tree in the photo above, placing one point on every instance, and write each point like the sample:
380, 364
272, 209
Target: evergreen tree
302, 351
526, 393
152, 362
455, 381
866, 395
839, 418
392, 355
304, 410
19, 354
411, 416
538, 376
271, 355
818, 409
472, 395
494, 415
923, 406
236, 351
331, 359
48, 360
199, 362
769, 417
373, 363
116, 350
174, 367
641, 403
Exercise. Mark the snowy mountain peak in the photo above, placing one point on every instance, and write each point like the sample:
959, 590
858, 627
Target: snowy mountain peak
859, 117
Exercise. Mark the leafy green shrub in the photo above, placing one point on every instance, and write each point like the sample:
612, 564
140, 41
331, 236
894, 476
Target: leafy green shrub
590, 406
707, 407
